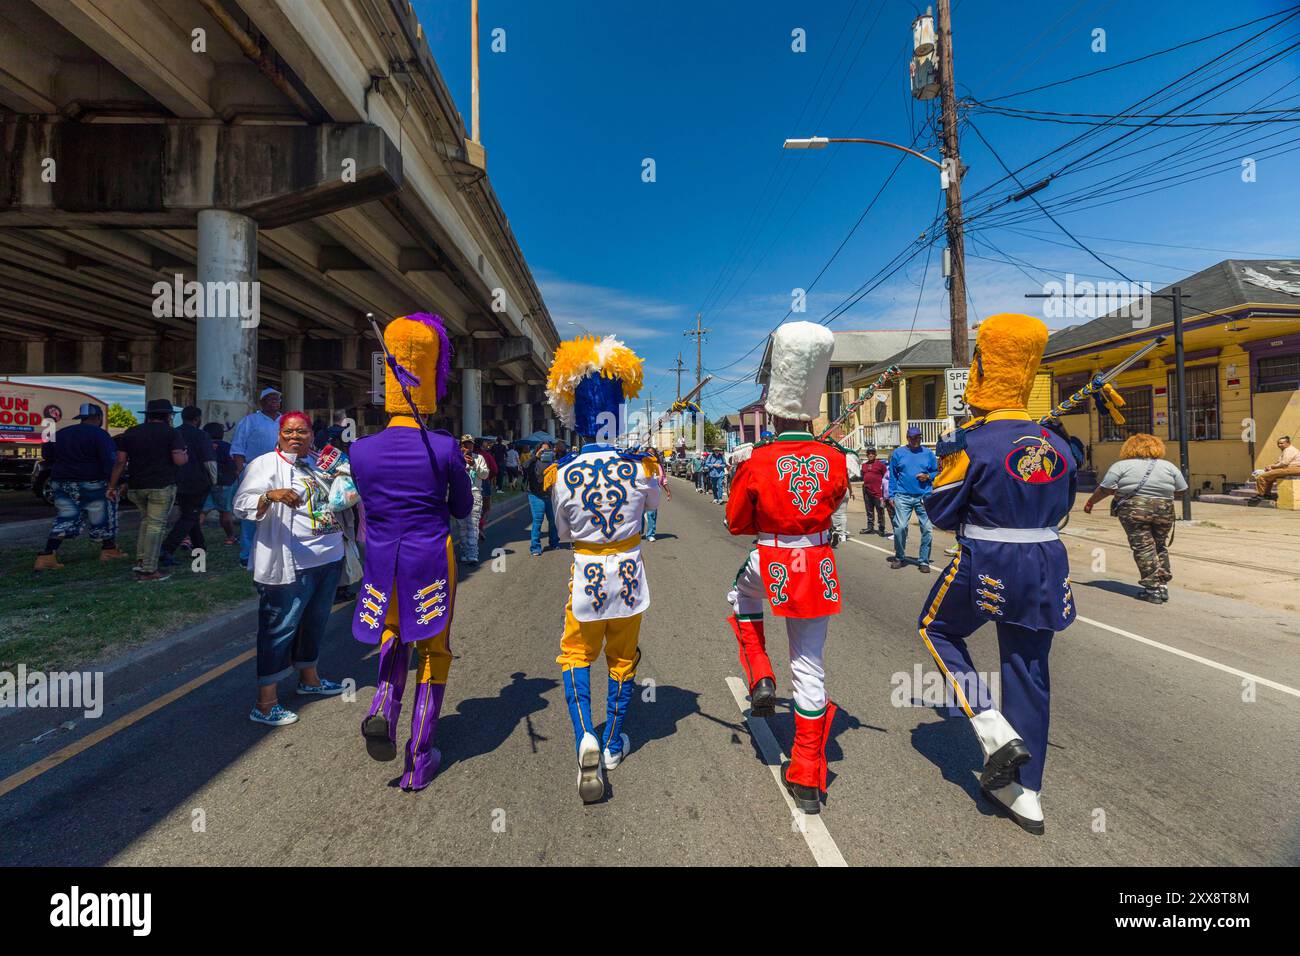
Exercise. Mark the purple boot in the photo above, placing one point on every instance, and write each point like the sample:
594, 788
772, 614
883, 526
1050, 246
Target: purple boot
380, 726
422, 757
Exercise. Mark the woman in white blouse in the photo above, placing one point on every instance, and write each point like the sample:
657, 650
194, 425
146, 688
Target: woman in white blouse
297, 557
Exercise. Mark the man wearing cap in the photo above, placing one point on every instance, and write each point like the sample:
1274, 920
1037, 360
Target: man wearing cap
911, 474
255, 434
81, 458
465, 529
194, 480
1005, 485
785, 494
154, 450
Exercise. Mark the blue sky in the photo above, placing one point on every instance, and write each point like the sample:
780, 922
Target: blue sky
584, 93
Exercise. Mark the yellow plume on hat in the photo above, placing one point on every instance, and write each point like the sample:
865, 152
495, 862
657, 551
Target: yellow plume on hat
418, 343
1008, 351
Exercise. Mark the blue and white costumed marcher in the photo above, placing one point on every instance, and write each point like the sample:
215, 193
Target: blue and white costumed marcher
600, 494
1004, 484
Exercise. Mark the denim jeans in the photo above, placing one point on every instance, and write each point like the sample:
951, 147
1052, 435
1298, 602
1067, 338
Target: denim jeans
651, 522
540, 505
904, 505
291, 620
715, 482
154, 505
79, 503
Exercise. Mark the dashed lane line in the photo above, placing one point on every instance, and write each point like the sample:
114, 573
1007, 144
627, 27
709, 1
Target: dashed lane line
1187, 655
813, 828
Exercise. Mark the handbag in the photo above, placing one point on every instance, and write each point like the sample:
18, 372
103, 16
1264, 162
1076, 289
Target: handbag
352, 569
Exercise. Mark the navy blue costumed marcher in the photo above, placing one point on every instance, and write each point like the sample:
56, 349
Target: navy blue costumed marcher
1005, 482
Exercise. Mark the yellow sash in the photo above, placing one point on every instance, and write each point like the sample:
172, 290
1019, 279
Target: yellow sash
611, 547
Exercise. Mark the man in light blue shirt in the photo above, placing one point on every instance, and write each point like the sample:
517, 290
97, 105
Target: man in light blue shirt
255, 434
912, 468
717, 466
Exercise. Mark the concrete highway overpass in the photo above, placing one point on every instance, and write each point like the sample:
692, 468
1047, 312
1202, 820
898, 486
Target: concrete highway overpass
307, 152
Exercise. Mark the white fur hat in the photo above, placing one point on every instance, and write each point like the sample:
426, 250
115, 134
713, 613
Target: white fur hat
801, 357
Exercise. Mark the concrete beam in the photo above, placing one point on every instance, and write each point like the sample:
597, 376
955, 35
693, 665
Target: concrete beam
163, 174
26, 72
147, 47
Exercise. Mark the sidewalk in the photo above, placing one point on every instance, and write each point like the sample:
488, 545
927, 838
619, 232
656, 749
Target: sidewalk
1247, 554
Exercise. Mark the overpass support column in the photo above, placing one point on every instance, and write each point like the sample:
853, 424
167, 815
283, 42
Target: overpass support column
226, 344
471, 401
160, 385
36, 357
293, 391
525, 411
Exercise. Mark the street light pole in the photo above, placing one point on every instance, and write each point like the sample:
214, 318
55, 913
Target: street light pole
952, 157
1180, 379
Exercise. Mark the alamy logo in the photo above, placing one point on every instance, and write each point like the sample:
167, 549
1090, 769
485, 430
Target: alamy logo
79, 690
208, 300
74, 909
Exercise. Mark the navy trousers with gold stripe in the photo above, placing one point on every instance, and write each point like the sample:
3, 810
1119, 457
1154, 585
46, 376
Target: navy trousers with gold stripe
948, 619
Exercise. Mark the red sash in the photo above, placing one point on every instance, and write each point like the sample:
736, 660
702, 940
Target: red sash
800, 582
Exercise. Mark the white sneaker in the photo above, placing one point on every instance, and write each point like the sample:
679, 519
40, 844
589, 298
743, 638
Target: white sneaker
953, 551
609, 760
591, 776
1023, 806
651, 538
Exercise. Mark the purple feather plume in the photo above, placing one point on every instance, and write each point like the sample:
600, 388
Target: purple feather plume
444, 350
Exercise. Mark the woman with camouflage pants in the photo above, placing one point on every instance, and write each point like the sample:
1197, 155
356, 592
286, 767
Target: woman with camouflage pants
1144, 486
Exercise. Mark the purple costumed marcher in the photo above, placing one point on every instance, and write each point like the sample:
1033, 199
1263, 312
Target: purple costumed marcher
412, 481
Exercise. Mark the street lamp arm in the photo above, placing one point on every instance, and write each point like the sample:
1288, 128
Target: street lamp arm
881, 142
819, 142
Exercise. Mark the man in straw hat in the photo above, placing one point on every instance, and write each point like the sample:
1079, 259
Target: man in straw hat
1004, 484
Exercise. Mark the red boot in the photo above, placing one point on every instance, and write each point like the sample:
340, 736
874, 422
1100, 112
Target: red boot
758, 668
805, 774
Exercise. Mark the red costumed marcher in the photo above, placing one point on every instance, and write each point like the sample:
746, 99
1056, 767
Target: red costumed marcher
785, 494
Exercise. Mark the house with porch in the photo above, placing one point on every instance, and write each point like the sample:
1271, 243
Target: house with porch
855, 351
1241, 322
918, 398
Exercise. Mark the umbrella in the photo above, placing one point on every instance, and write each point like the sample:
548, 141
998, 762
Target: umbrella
536, 438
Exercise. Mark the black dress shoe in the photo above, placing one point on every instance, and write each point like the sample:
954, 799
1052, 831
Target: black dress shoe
378, 744
762, 698
807, 799
1000, 769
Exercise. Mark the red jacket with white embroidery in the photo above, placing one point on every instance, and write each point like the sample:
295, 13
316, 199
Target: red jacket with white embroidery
791, 485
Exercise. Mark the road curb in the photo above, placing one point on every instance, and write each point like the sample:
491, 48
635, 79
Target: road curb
137, 669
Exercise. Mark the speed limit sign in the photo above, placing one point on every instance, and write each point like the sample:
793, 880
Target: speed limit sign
956, 381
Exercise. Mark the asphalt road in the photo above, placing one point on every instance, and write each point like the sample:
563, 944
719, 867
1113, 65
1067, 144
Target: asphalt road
1156, 758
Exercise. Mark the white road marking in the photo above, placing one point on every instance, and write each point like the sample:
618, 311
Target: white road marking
1146, 640
815, 834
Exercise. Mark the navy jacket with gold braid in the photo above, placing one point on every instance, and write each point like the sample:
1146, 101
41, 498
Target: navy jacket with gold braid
1004, 484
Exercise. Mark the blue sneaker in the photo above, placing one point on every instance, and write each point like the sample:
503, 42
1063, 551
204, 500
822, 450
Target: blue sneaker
278, 717
326, 688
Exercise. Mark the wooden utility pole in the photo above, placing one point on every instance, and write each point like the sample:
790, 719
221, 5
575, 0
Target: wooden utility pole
698, 332
952, 158
473, 69
680, 367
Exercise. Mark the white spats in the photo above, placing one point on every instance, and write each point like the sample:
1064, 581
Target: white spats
613, 760
993, 731
1022, 805
801, 357
591, 776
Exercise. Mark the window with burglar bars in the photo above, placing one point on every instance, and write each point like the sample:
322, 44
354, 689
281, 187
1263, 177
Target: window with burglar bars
1202, 403
1278, 373
834, 393
1136, 412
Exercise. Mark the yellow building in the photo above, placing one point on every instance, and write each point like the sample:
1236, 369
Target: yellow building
1241, 323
